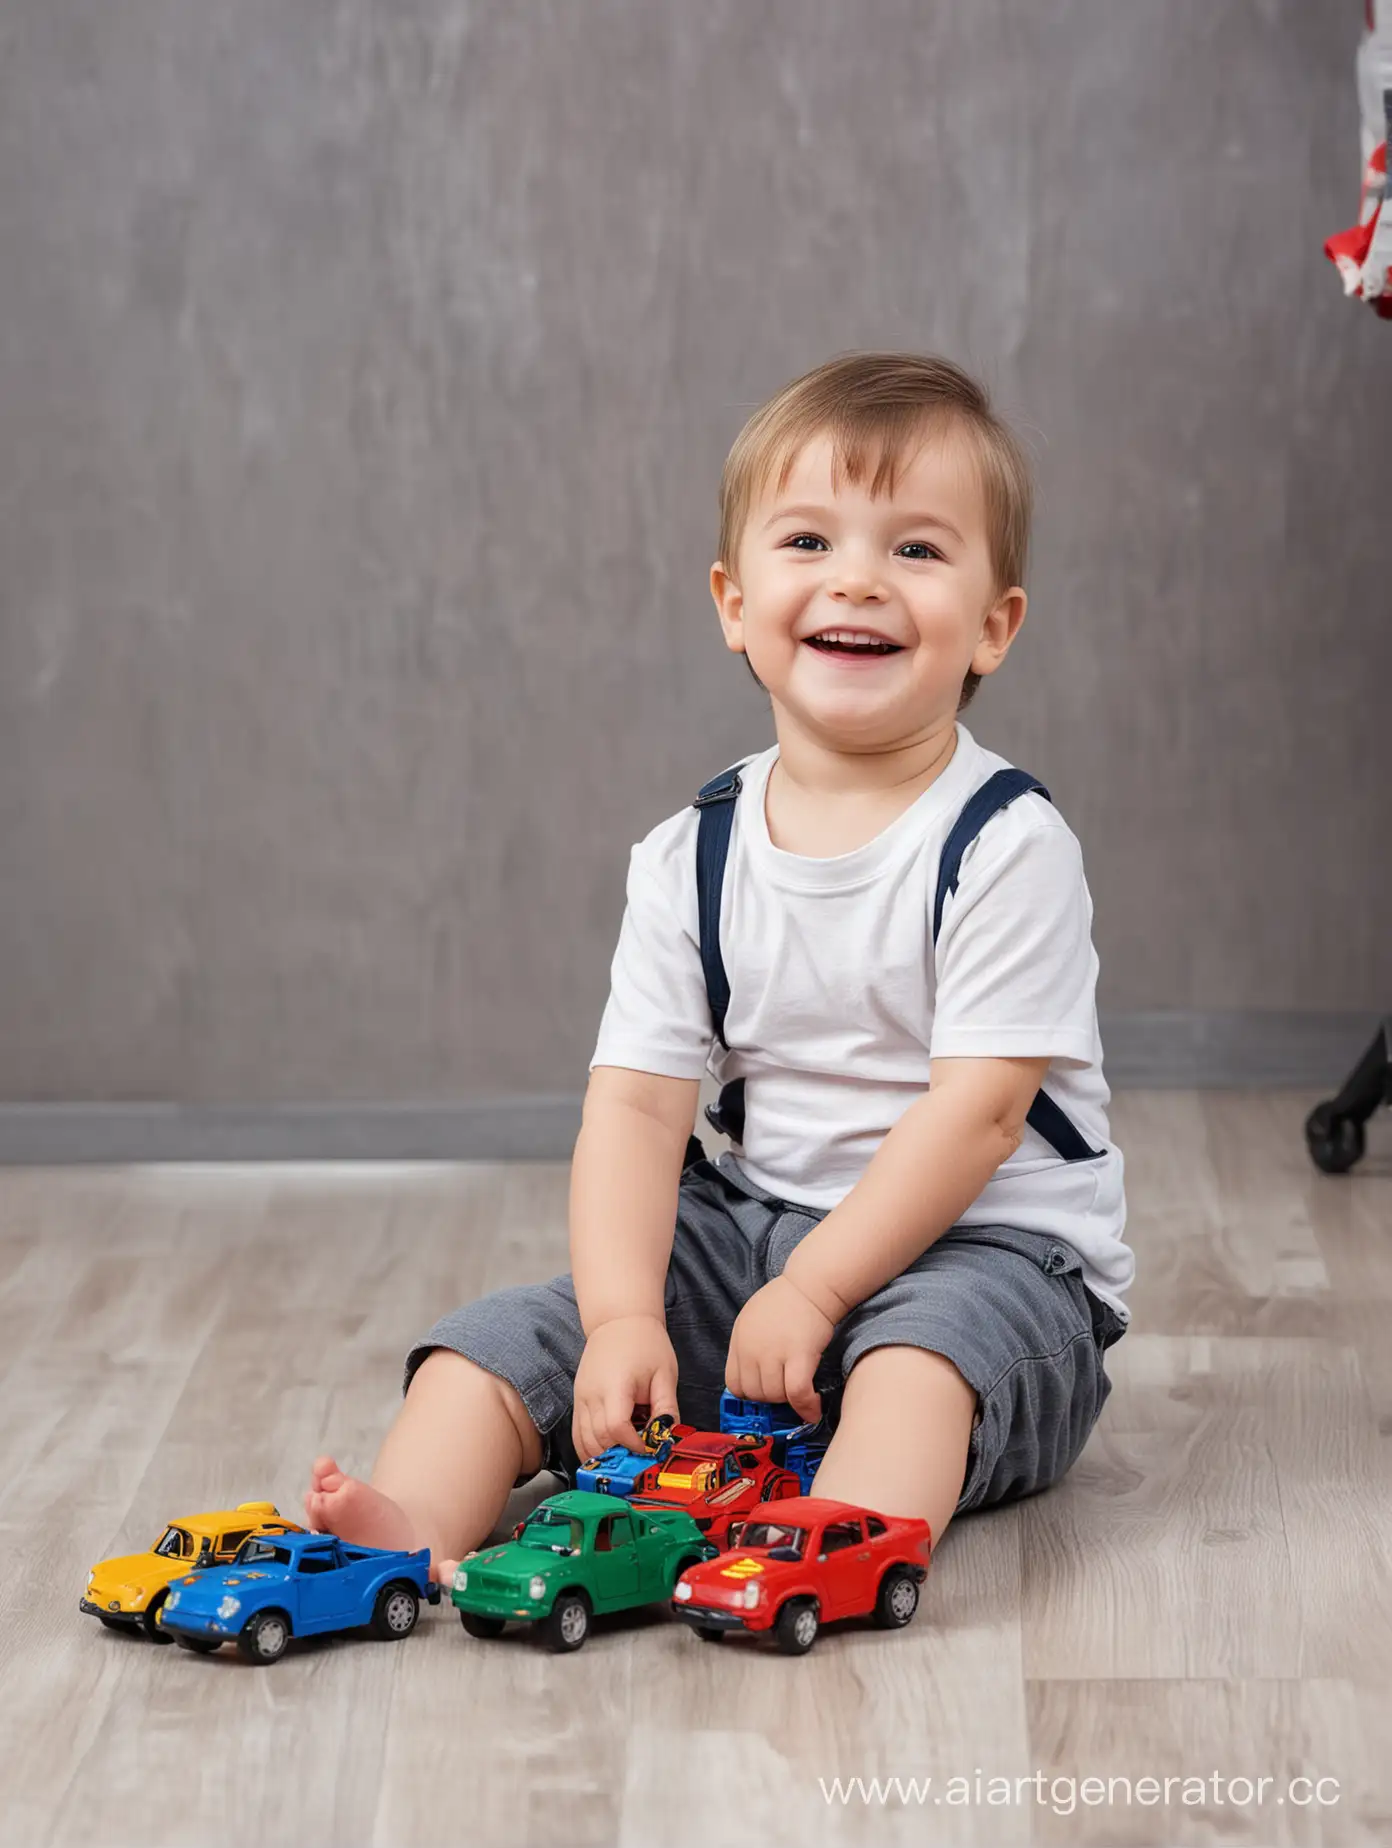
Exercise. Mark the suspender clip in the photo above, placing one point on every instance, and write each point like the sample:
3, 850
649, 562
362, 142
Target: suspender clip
722, 792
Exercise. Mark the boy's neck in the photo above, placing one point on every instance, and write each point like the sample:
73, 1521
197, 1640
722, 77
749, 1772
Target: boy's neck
820, 803
809, 767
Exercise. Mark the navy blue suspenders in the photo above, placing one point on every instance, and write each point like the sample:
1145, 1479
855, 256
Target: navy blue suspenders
716, 803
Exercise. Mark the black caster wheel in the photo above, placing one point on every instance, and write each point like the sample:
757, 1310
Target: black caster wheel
1335, 1142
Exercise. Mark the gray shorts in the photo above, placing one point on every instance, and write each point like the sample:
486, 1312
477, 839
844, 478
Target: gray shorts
1009, 1308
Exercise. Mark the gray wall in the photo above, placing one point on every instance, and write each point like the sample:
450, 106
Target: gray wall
366, 372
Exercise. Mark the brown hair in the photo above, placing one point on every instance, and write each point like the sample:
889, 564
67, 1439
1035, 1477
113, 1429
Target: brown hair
883, 401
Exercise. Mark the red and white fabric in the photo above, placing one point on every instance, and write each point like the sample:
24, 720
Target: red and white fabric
1363, 253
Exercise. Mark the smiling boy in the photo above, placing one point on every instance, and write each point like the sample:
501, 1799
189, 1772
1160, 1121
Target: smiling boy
921, 1221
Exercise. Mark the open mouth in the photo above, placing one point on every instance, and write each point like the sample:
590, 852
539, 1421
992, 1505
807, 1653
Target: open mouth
866, 647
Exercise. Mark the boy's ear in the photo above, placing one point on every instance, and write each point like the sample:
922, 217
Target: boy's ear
999, 628
729, 603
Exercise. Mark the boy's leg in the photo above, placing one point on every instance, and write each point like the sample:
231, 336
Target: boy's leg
490, 1388
889, 1391
460, 1441
987, 1373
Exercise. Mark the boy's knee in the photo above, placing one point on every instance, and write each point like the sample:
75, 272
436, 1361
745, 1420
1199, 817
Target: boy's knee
897, 1373
456, 1372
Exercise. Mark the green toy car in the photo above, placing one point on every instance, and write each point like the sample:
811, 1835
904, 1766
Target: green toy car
576, 1556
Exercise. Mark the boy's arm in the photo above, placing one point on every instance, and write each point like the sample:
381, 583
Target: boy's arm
624, 1178
625, 1175
930, 1167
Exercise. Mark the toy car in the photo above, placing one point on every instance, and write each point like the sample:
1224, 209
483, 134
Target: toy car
801, 1450
576, 1556
615, 1470
298, 1584
796, 1445
738, 1416
129, 1593
716, 1478
798, 1564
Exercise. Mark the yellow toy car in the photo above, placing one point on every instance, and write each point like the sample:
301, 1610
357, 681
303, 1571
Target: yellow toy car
129, 1593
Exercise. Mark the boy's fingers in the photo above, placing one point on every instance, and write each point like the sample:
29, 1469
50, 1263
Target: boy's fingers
800, 1392
664, 1393
618, 1413
583, 1437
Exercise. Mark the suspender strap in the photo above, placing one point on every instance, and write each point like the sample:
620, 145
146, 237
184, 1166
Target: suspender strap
716, 803
1045, 1117
1058, 1128
997, 792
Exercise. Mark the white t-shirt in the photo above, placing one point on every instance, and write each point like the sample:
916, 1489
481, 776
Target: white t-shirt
836, 1007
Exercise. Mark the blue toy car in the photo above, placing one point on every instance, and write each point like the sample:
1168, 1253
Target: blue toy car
797, 1446
298, 1585
740, 1415
615, 1470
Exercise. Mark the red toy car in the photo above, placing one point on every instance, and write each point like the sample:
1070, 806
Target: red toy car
715, 1478
797, 1564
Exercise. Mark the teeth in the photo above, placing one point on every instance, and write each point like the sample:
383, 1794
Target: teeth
855, 641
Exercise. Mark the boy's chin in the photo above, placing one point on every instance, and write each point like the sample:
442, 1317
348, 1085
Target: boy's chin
857, 718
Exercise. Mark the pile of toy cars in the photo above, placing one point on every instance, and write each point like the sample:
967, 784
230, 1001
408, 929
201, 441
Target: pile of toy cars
720, 1523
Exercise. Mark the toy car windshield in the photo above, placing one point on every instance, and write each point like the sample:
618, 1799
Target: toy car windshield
257, 1552
552, 1531
771, 1534
176, 1544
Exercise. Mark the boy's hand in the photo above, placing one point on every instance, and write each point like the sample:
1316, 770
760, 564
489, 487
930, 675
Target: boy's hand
629, 1361
778, 1338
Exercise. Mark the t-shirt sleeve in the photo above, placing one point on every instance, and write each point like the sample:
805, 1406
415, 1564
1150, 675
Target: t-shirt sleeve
1016, 967
657, 1018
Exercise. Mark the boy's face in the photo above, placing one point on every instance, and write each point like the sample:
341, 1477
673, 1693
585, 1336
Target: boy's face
913, 569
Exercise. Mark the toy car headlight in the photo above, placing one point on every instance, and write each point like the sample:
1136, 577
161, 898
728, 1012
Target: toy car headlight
537, 1588
682, 1592
171, 1600
751, 1594
461, 1579
229, 1606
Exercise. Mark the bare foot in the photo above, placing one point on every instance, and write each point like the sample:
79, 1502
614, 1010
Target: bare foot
339, 1504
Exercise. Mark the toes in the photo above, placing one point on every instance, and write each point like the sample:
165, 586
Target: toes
323, 1466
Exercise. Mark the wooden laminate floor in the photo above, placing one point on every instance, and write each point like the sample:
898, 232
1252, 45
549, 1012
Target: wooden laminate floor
1206, 1597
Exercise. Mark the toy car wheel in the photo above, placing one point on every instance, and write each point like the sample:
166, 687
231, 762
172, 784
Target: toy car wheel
897, 1600
709, 1634
200, 1645
395, 1612
1335, 1142
478, 1625
149, 1621
265, 1638
569, 1623
796, 1627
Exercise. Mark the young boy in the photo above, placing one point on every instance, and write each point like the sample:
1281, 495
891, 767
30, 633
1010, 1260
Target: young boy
922, 1222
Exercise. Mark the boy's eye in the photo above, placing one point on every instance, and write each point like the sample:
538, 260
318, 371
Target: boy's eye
921, 546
